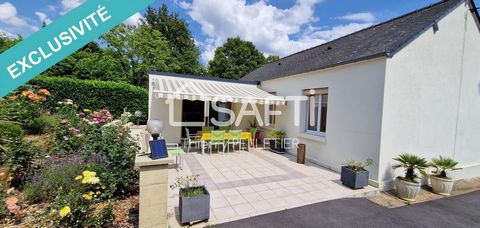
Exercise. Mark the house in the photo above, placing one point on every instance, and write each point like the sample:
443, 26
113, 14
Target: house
410, 84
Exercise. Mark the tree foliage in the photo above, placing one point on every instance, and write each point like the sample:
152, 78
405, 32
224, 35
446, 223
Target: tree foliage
235, 59
184, 52
139, 49
272, 58
8, 42
90, 63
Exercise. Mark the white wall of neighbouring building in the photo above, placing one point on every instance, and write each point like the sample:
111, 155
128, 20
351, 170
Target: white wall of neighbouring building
355, 96
432, 97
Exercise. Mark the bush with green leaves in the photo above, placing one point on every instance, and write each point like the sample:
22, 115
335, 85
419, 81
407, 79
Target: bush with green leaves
20, 109
410, 163
45, 123
95, 95
116, 144
442, 165
9, 133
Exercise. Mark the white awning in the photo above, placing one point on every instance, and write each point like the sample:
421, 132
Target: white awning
185, 88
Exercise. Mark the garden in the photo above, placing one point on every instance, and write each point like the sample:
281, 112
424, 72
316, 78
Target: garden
63, 164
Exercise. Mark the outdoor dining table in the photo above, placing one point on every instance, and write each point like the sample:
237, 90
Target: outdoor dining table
206, 136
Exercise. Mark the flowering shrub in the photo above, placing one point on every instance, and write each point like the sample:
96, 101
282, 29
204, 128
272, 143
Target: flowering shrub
57, 175
23, 107
76, 207
115, 143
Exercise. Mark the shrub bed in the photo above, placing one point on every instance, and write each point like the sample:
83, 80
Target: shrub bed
91, 94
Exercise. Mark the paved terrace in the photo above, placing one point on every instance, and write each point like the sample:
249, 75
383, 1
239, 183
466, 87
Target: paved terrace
245, 184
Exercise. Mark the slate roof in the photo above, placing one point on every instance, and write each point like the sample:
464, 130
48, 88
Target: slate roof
383, 39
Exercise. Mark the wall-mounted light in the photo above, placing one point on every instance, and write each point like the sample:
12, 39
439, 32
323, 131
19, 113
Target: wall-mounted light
435, 27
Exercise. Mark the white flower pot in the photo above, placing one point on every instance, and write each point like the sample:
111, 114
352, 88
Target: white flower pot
441, 186
407, 190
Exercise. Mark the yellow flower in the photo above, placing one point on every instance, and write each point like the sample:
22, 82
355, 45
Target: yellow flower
64, 211
90, 177
87, 196
94, 180
78, 178
87, 111
88, 173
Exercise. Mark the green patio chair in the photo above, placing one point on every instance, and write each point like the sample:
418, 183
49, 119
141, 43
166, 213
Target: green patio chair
207, 129
217, 139
175, 151
234, 138
253, 131
224, 128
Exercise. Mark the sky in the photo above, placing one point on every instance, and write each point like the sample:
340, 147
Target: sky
280, 27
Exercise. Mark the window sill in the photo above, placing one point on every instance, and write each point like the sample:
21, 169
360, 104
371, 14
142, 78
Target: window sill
316, 138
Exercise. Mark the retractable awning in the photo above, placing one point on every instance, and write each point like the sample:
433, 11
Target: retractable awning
210, 89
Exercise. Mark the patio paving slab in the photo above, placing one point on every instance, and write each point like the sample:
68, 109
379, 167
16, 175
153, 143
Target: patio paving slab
245, 184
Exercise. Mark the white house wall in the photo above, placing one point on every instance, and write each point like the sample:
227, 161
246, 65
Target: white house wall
159, 110
421, 102
353, 117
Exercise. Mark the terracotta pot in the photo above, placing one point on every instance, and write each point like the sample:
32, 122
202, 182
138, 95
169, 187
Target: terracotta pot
407, 190
441, 186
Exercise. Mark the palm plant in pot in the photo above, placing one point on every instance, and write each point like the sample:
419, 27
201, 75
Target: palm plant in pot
441, 183
354, 174
408, 186
276, 143
194, 200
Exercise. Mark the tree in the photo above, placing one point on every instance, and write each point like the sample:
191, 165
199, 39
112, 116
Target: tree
90, 62
7, 42
235, 59
138, 50
185, 54
272, 58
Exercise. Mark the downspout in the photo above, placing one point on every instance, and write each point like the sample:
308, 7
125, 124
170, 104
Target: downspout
461, 83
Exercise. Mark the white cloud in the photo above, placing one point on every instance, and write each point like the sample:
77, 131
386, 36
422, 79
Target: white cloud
134, 19
43, 17
337, 31
267, 26
9, 15
184, 5
68, 5
364, 17
5, 33
270, 28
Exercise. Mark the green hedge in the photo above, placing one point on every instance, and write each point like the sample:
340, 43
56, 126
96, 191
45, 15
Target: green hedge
95, 95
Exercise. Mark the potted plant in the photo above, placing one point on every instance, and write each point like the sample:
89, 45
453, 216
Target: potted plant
276, 143
441, 183
408, 186
354, 174
194, 200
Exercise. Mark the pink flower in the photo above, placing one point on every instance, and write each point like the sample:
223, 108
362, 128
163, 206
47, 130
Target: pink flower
65, 138
72, 129
81, 114
64, 121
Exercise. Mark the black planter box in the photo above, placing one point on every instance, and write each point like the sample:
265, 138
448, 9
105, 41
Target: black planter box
277, 146
354, 179
194, 209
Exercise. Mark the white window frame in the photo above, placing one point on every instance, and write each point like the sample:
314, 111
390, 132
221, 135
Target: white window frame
319, 115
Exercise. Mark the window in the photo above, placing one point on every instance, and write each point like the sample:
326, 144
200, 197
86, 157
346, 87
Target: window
272, 108
317, 104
